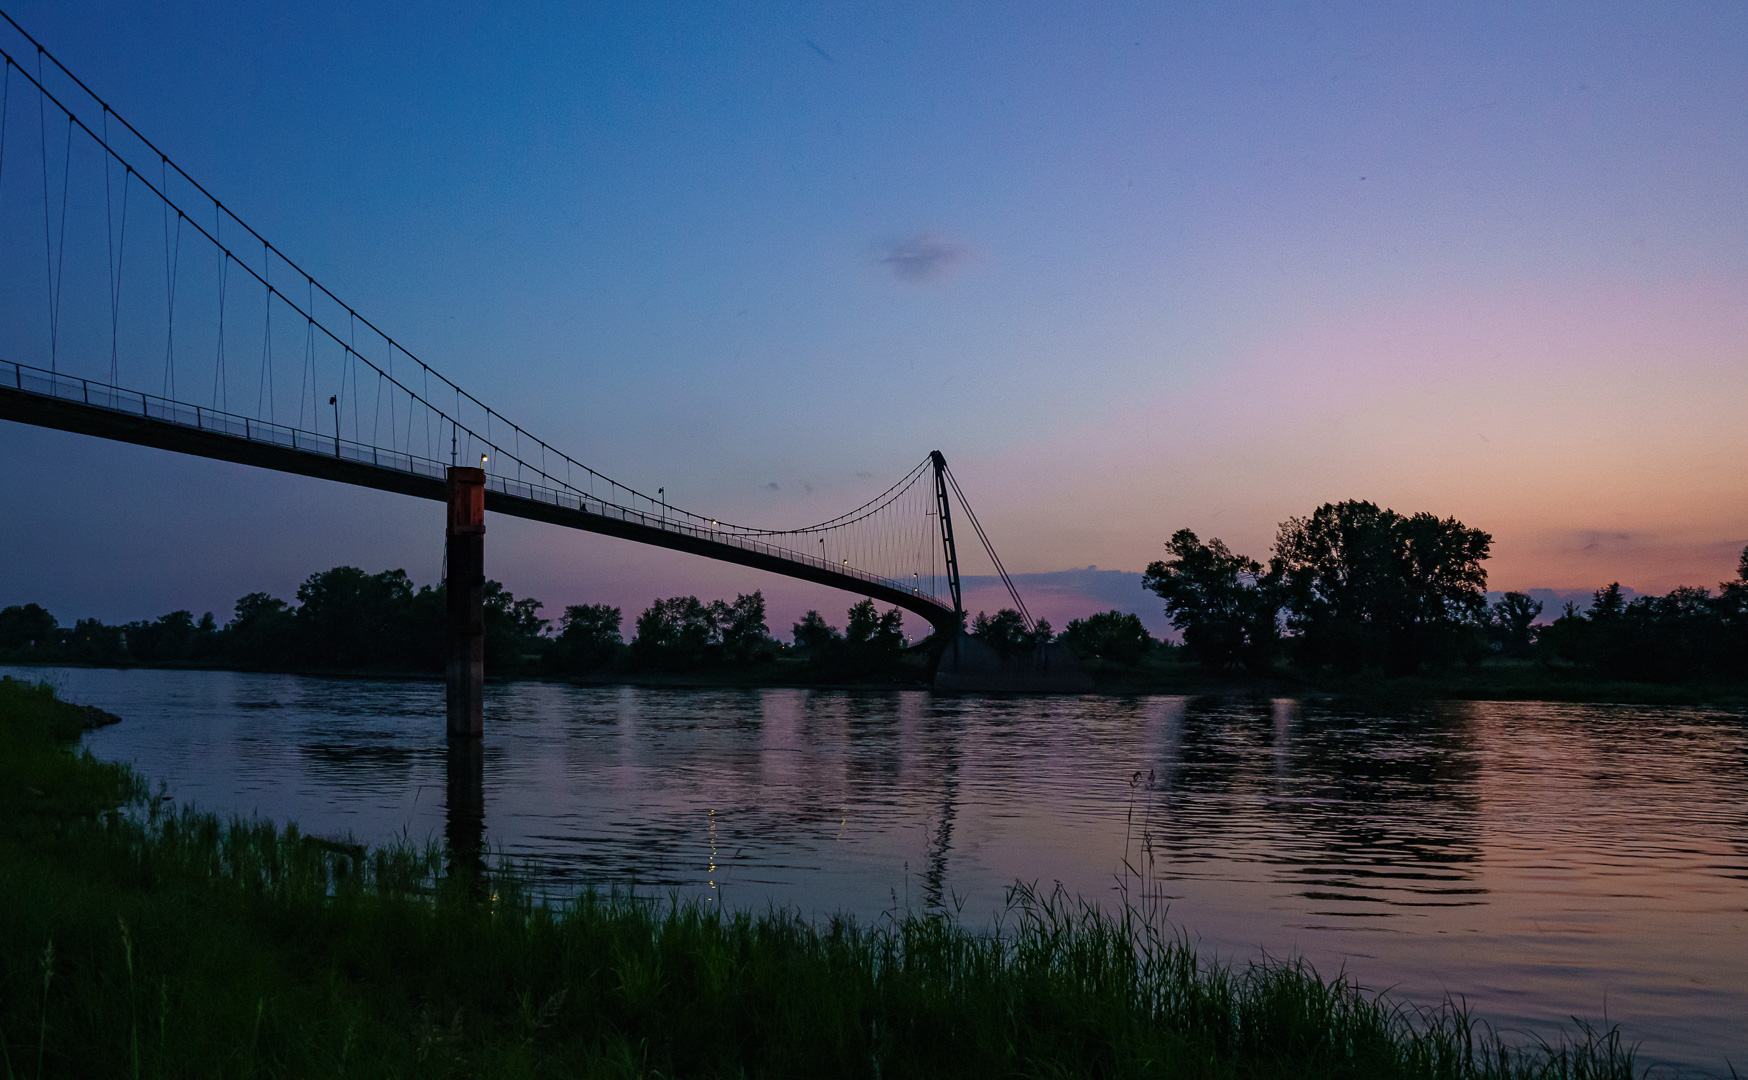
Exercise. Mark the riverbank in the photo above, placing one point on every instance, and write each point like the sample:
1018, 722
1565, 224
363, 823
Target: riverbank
146, 940
1493, 680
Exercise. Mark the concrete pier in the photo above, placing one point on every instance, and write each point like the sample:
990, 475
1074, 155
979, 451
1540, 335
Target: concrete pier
465, 586
967, 664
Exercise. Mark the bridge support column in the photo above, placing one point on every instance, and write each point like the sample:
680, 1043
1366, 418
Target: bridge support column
466, 588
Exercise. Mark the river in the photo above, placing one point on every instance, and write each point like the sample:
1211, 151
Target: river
1542, 861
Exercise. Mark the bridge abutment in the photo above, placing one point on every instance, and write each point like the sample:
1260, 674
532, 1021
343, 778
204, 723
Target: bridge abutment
465, 588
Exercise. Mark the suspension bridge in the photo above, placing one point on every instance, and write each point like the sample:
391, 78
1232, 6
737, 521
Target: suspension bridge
136, 306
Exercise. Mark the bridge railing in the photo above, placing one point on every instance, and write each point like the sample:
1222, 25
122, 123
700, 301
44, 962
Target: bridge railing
39, 382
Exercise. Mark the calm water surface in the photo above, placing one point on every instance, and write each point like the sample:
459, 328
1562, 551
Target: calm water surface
1543, 861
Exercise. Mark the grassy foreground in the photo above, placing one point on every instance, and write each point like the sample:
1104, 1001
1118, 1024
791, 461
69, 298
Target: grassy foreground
142, 940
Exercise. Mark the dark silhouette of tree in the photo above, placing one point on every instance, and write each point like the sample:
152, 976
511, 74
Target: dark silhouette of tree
1511, 624
349, 619
874, 629
91, 642
740, 628
263, 631
814, 636
515, 632
674, 634
1223, 603
1111, 635
684, 633
1684, 635
1732, 601
588, 637
169, 639
1006, 632
873, 639
869, 647
28, 626
1368, 586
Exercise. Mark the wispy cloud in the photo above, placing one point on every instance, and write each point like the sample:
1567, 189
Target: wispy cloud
1606, 542
923, 257
773, 486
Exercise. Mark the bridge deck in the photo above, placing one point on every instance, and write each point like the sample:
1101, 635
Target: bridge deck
33, 396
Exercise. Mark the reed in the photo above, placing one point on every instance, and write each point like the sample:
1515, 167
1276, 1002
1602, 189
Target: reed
147, 940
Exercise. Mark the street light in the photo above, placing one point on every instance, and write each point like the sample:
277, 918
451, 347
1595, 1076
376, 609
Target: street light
334, 400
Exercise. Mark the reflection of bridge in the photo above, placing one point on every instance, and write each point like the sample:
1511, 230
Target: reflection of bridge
155, 334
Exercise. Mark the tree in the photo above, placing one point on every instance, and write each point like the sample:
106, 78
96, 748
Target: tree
94, 643
870, 645
675, 634
1686, 634
262, 630
814, 636
1223, 603
514, 628
873, 639
1369, 586
1006, 632
1732, 602
347, 618
1511, 624
740, 627
588, 637
880, 631
1111, 635
168, 639
28, 626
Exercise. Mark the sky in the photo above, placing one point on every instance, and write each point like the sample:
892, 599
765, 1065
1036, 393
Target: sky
1132, 268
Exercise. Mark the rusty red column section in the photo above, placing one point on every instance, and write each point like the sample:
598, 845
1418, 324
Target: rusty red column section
466, 588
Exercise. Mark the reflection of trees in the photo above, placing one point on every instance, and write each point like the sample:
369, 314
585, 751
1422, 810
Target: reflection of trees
1354, 804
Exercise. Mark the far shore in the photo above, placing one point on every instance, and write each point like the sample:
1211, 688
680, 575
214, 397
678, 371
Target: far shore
1494, 680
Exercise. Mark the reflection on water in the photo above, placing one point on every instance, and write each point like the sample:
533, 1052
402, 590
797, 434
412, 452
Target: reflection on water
1544, 861
464, 808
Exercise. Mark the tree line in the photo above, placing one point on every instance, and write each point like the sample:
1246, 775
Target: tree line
346, 619
1353, 587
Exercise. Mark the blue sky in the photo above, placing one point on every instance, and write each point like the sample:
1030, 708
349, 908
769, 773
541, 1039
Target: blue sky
1131, 267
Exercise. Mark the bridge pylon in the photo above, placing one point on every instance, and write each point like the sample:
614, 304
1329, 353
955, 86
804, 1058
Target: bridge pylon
465, 589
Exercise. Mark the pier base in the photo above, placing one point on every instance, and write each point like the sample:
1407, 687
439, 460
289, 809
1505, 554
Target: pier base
969, 665
465, 586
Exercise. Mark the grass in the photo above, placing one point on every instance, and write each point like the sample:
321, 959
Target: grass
143, 940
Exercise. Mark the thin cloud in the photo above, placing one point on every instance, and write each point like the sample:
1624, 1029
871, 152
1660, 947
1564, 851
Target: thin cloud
923, 257
1599, 541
